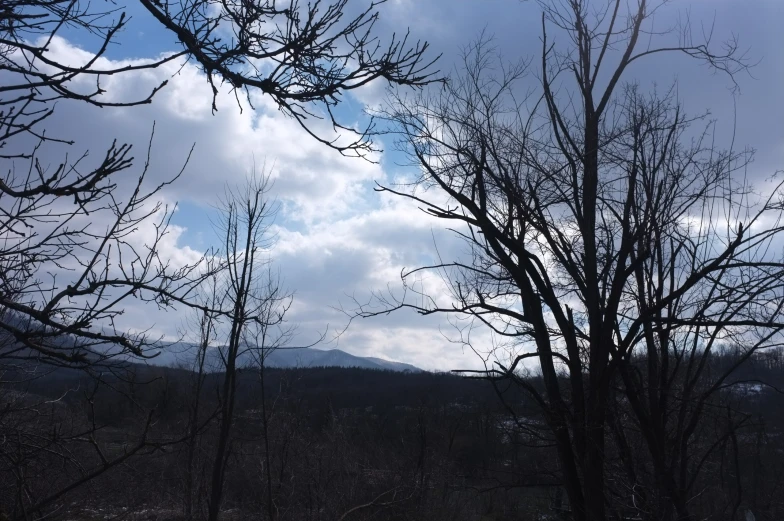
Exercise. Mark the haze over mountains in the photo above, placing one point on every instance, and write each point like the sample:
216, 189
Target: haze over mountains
308, 357
183, 354
287, 359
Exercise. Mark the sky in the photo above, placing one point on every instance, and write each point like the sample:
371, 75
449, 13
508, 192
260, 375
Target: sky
337, 238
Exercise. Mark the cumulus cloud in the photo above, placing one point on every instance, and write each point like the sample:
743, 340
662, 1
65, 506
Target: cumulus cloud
337, 238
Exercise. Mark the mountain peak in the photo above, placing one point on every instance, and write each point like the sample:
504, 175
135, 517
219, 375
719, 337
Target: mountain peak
309, 357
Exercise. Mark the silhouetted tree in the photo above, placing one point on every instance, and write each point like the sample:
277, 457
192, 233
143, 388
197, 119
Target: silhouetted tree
610, 244
303, 56
307, 56
71, 259
255, 305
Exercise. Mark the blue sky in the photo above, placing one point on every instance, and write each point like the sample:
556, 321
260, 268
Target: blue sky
338, 237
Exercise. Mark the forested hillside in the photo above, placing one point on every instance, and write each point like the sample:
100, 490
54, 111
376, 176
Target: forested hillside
391, 445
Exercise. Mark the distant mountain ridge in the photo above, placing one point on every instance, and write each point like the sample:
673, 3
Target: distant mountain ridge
309, 357
182, 353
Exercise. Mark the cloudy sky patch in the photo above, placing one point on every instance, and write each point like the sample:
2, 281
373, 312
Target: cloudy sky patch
337, 238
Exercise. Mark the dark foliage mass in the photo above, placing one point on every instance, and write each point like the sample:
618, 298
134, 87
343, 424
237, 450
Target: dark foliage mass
356, 442
612, 243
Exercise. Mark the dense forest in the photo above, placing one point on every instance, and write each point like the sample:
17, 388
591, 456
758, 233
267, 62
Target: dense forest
336, 443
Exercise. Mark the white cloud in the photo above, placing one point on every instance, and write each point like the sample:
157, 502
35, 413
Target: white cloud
337, 236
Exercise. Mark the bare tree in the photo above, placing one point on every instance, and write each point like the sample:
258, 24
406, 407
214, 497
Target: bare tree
71, 259
265, 336
33, 79
611, 244
198, 362
300, 56
62, 275
65, 277
304, 57
314, 59
254, 302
